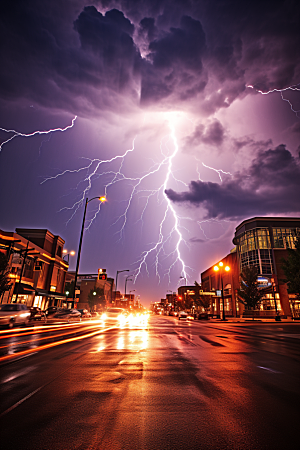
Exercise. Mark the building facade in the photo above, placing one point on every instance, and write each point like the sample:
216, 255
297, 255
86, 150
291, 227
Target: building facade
212, 282
263, 242
37, 268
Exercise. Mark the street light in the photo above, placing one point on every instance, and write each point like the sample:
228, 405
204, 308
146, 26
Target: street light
218, 268
102, 200
67, 255
119, 271
127, 278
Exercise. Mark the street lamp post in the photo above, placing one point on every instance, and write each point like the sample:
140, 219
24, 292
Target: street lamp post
127, 278
101, 199
119, 271
218, 268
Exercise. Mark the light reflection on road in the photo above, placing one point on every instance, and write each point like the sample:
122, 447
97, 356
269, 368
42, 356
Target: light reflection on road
30, 338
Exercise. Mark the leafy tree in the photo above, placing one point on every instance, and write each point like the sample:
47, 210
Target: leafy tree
69, 289
291, 269
5, 282
201, 300
96, 297
248, 293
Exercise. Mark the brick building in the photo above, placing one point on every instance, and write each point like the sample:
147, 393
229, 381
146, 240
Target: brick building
36, 265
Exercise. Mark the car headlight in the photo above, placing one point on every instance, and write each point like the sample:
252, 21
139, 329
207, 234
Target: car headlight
104, 316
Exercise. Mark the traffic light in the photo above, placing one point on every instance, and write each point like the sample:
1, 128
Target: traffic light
102, 275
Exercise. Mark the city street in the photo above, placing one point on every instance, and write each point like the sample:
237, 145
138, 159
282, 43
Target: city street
165, 384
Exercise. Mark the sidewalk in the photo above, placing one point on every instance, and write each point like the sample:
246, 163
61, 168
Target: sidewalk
249, 321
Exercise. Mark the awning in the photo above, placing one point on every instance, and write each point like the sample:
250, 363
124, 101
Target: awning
52, 294
24, 289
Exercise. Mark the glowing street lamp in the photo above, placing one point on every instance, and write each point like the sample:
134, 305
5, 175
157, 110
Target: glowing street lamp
219, 268
68, 254
102, 200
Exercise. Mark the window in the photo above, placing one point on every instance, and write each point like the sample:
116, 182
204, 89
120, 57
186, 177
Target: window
285, 237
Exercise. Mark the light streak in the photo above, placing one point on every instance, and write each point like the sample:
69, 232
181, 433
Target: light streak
295, 87
34, 133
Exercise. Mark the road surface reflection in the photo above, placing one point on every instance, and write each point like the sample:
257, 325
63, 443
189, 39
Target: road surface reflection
21, 342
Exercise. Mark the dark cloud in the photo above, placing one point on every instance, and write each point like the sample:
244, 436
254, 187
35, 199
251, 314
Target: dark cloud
195, 240
109, 40
176, 63
71, 61
270, 186
213, 134
198, 52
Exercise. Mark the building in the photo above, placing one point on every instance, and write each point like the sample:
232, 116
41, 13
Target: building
212, 281
88, 282
261, 242
36, 265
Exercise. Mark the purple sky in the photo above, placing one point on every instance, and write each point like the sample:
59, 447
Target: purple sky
186, 118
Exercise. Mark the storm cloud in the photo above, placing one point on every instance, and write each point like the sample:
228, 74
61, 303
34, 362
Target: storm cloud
271, 185
166, 54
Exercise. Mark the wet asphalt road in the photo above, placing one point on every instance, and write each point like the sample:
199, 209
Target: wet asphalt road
172, 385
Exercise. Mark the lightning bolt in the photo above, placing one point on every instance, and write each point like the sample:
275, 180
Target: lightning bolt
295, 87
19, 134
97, 169
158, 247
219, 171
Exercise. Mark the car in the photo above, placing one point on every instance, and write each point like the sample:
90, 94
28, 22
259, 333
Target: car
67, 314
14, 314
85, 313
203, 316
36, 313
182, 315
52, 310
114, 315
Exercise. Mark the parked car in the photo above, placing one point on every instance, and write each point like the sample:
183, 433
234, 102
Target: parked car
14, 314
182, 315
52, 310
67, 314
203, 316
85, 313
36, 313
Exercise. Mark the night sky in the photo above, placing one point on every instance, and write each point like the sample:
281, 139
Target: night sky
183, 113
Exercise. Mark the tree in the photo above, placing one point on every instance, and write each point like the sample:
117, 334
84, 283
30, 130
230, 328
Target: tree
248, 293
201, 300
291, 269
96, 297
5, 282
69, 289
